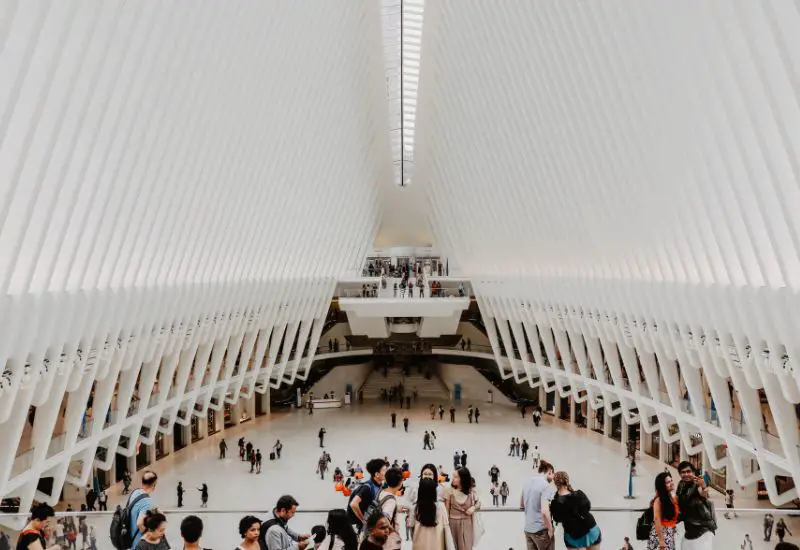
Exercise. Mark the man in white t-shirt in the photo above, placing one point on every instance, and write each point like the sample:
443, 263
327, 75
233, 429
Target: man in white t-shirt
537, 493
390, 507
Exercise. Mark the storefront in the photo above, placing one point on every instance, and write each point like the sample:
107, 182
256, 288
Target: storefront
195, 429
550, 403
212, 421
161, 447
261, 408
697, 458
598, 420
178, 438
565, 408
674, 449
228, 415
654, 448
616, 427
142, 456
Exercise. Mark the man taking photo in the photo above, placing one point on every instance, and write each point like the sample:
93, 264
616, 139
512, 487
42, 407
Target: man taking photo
697, 512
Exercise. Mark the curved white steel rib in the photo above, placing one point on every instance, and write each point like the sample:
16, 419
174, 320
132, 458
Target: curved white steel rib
182, 185
627, 177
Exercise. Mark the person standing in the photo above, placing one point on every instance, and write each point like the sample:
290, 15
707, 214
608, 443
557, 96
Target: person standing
223, 448
275, 533
431, 530
321, 436
426, 442
140, 503
405, 423
394, 419
537, 456
747, 544
626, 544
729, 505
537, 494
102, 501
463, 459
572, 509
203, 495
452, 415
769, 521
34, 535
433, 411
277, 448
180, 492
456, 460
477, 415
665, 514
697, 512
441, 412
259, 457
525, 448
126, 482
191, 532
461, 502
377, 531
469, 413
241, 448
390, 507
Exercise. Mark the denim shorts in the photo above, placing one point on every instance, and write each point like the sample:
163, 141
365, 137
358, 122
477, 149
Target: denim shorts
589, 539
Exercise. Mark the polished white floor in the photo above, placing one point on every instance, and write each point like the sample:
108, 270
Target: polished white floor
595, 464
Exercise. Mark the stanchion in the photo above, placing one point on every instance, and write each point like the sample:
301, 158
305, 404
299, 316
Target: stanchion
630, 496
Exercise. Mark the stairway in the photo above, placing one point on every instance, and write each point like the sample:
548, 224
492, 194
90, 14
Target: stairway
432, 389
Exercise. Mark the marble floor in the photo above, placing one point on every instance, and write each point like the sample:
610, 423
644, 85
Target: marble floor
595, 464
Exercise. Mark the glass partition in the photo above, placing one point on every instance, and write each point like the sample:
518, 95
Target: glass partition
503, 526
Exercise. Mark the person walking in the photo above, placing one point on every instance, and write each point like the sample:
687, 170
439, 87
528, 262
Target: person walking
477, 415
525, 448
405, 423
277, 448
203, 495
394, 419
504, 492
452, 415
463, 459
426, 442
241, 448
456, 460
180, 490
697, 511
322, 465
665, 514
572, 509
259, 457
321, 436
494, 474
470, 412
441, 412
223, 448
494, 491
747, 544
781, 529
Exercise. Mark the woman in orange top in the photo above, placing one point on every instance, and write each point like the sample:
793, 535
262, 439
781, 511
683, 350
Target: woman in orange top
665, 514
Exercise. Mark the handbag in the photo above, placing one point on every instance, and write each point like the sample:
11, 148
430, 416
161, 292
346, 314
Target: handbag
478, 529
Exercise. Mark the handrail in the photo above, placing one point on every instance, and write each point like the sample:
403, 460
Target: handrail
605, 509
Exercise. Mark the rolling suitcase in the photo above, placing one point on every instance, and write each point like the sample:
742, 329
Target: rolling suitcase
272, 456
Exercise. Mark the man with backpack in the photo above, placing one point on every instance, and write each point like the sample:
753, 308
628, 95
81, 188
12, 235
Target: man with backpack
127, 524
697, 512
387, 504
275, 532
365, 494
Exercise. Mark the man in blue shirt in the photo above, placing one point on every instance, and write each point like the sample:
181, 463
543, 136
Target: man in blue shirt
364, 495
537, 493
141, 505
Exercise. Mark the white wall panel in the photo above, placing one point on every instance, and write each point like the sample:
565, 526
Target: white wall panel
179, 184
627, 175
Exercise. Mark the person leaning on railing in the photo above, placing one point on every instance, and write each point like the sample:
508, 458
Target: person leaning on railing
35, 533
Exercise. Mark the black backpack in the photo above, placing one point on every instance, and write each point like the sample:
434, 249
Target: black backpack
262, 535
119, 532
363, 490
645, 524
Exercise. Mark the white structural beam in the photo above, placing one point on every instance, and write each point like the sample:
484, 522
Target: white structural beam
621, 180
179, 183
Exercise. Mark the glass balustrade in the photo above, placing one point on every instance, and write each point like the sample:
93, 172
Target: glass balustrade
503, 525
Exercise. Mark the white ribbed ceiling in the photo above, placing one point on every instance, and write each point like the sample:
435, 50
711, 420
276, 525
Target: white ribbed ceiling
402, 35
